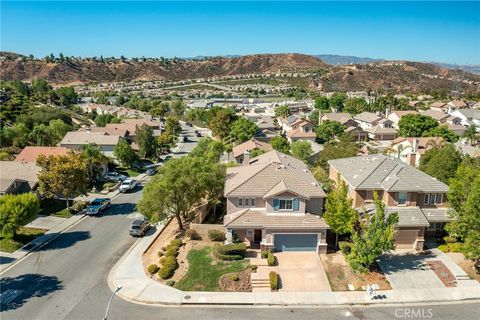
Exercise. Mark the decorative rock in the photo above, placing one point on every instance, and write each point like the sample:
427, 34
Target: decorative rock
351, 287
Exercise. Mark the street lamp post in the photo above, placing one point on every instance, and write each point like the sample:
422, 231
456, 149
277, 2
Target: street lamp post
110, 301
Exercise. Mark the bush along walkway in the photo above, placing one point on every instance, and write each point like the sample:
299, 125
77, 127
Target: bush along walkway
137, 287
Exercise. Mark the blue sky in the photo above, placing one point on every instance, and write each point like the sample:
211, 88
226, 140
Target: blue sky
423, 31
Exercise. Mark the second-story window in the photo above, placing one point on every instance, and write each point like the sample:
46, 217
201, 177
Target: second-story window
246, 202
402, 198
286, 204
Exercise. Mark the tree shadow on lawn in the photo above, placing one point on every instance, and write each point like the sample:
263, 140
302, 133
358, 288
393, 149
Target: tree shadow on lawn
18, 290
391, 263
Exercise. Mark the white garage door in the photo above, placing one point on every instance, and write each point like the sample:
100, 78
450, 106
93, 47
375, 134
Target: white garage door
405, 239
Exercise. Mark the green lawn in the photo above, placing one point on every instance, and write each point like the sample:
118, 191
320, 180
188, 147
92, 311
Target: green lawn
24, 235
101, 185
202, 275
127, 172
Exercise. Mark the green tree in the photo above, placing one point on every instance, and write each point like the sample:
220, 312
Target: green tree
339, 213
41, 135
281, 144
164, 142
441, 162
220, 123
471, 134
256, 152
94, 158
16, 136
343, 148
242, 130
125, 154
58, 130
282, 111
372, 236
172, 126
322, 176
301, 150
337, 100
66, 96
322, 104
328, 130
178, 107
355, 106
181, 185
415, 125
145, 140
62, 176
15, 211
313, 117
441, 131
209, 149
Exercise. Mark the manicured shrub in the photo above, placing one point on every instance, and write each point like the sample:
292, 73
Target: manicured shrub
234, 251
264, 254
273, 280
153, 268
345, 246
172, 251
192, 235
234, 277
162, 260
271, 259
451, 247
168, 267
160, 254
235, 238
175, 243
253, 267
450, 239
170, 283
215, 235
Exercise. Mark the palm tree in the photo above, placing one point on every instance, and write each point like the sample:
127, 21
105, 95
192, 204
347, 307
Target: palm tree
92, 154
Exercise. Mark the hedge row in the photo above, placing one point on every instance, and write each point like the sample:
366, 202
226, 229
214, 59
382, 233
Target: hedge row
215, 235
270, 259
234, 251
169, 259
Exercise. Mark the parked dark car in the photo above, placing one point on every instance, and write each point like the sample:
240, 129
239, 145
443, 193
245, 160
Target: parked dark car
199, 134
139, 227
188, 124
151, 171
185, 138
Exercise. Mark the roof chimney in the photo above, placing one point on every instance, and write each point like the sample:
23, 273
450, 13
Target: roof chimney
246, 157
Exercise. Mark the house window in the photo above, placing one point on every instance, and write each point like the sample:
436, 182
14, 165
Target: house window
286, 204
432, 198
368, 195
246, 202
240, 202
402, 198
426, 198
439, 197
252, 202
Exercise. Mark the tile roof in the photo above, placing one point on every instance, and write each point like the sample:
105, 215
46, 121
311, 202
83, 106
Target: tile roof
30, 154
80, 138
299, 133
438, 104
408, 216
458, 103
13, 170
337, 116
437, 215
437, 115
367, 117
249, 146
266, 171
381, 130
119, 129
259, 219
423, 143
377, 171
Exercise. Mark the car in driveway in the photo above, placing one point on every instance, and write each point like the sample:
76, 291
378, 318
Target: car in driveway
97, 206
139, 227
199, 134
151, 171
114, 176
128, 185
185, 138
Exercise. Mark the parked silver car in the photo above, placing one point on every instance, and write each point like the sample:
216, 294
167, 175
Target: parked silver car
139, 227
114, 176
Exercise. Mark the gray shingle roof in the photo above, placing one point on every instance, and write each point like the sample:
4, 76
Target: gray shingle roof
377, 171
367, 117
408, 216
266, 171
437, 215
259, 219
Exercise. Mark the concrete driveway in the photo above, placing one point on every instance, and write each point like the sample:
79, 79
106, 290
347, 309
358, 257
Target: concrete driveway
408, 270
301, 271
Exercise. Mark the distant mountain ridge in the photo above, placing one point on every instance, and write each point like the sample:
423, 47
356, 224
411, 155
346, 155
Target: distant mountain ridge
394, 76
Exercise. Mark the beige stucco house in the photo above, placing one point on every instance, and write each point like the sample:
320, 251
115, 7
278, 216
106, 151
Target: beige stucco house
274, 202
419, 199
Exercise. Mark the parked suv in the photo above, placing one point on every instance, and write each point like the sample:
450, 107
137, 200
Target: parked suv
97, 206
127, 185
114, 176
139, 227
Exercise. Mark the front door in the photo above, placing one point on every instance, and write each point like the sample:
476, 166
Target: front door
257, 235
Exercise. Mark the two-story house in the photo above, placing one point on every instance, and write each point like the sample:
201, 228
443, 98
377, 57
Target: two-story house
419, 199
297, 128
410, 150
274, 202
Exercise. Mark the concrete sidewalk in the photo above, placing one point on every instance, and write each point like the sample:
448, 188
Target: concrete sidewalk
51, 234
139, 288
